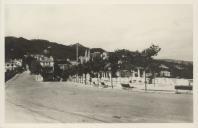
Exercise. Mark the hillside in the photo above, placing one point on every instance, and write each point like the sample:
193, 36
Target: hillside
176, 61
18, 47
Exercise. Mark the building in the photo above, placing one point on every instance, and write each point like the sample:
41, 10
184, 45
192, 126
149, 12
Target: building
91, 56
62, 64
105, 55
95, 55
86, 57
164, 71
13, 64
81, 59
44, 60
165, 74
73, 62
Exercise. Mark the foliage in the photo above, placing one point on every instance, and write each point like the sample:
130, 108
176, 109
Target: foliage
35, 67
18, 47
153, 50
11, 73
120, 59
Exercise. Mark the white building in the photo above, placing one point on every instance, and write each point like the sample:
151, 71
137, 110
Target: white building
105, 55
86, 57
73, 62
44, 60
13, 64
164, 72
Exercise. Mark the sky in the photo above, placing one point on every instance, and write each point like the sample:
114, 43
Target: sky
108, 26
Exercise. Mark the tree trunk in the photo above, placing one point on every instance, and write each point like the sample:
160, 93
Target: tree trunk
154, 79
111, 79
76, 78
85, 78
98, 79
82, 79
145, 81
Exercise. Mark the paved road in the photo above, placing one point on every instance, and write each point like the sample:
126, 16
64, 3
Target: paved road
28, 101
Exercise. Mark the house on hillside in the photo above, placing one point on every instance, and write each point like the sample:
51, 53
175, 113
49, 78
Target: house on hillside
91, 56
62, 64
95, 55
45, 67
86, 57
44, 61
105, 55
164, 71
73, 62
13, 64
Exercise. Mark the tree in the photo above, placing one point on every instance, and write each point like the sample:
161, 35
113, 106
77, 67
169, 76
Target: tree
95, 66
154, 67
147, 58
35, 67
57, 71
153, 50
113, 59
28, 60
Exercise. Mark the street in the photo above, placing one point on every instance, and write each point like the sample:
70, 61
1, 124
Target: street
29, 101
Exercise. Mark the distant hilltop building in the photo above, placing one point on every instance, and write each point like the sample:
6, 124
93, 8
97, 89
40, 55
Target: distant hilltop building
91, 56
86, 57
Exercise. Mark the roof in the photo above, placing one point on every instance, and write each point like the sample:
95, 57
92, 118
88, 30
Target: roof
163, 66
178, 67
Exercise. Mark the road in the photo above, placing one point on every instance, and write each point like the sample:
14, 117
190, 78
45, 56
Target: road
29, 101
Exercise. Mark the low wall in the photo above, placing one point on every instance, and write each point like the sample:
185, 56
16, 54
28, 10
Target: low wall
38, 78
171, 81
138, 82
